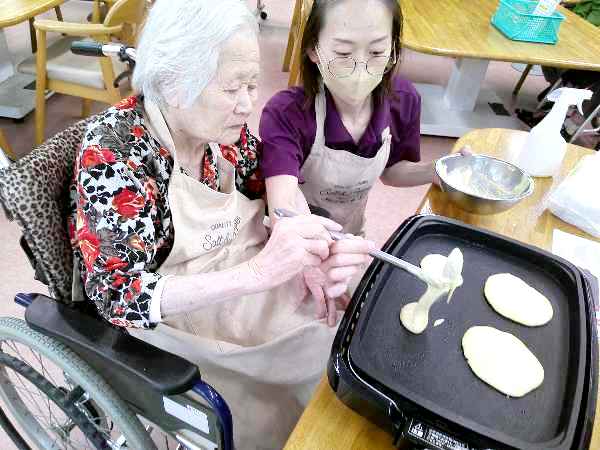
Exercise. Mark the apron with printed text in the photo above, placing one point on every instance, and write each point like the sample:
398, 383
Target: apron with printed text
263, 352
338, 180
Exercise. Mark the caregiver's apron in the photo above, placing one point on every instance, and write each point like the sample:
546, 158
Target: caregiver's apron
263, 352
338, 180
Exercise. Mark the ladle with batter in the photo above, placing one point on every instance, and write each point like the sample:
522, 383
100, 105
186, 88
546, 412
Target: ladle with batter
415, 316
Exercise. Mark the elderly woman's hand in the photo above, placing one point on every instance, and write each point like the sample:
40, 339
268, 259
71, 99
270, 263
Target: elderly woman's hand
328, 283
295, 243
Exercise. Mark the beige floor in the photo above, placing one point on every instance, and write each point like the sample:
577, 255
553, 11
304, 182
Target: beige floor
387, 207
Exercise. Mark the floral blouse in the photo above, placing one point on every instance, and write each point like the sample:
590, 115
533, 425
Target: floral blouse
120, 222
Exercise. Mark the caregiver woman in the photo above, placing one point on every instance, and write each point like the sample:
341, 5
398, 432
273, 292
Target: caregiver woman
168, 231
352, 122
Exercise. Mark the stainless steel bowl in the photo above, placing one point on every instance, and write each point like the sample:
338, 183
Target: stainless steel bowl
482, 184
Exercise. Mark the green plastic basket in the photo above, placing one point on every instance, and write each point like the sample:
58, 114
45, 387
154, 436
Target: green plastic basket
515, 20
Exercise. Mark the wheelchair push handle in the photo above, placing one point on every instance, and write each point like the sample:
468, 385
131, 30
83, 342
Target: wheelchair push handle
87, 48
93, 48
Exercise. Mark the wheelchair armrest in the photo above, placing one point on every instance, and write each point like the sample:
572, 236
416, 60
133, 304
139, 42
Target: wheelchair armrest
134, 368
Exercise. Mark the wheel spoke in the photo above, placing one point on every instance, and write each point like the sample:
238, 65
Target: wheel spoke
29, 383
45, 373
26, 390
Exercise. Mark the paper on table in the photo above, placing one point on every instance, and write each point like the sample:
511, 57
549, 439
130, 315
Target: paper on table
581, 252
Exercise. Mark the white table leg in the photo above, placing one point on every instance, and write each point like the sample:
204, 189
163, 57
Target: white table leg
464, 84
17, 94
461, 106
6, 61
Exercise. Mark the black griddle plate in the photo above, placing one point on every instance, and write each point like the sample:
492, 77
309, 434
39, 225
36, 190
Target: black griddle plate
428, 375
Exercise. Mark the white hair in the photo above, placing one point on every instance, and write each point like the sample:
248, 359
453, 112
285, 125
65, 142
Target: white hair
178, 51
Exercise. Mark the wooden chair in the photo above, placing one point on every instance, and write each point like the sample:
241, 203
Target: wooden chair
291, 60
100, 9
32, 28
58, 70
5, 146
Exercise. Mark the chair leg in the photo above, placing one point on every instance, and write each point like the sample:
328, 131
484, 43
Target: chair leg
585, 123
292, 36
522, 80
295, 67
86, 107
556, 84
32, 36
113, 94
40, 89
96, 12
5, 146
59, 15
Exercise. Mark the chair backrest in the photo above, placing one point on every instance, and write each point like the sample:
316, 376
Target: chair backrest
130, 13
35, 192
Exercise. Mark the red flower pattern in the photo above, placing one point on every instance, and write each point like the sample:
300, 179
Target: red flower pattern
118, 280
151, 190
89, 244
137, 131
229, 154
128, 204
132, 165
136, 285
127, 103
95, 155
113, 263
121, 322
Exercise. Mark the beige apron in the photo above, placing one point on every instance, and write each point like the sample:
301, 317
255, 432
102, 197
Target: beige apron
263, 352
339, 181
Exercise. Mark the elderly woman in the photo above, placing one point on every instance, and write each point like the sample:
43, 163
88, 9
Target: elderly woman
168, 230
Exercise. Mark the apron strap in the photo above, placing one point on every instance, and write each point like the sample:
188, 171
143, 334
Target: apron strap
320, 113
157, 124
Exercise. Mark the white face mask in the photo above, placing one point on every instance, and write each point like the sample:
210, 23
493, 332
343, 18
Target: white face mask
354, 89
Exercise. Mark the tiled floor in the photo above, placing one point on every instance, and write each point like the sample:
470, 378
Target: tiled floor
387, 207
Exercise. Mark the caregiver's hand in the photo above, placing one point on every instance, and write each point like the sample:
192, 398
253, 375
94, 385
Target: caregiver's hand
328, 283
295, 243
465, 151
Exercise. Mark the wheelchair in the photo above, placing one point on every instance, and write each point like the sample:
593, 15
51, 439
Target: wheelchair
70, 380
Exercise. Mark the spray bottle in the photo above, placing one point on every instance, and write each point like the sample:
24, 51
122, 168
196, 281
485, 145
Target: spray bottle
545, 148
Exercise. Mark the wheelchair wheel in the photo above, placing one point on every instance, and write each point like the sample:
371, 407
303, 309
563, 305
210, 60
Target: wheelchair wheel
57, 400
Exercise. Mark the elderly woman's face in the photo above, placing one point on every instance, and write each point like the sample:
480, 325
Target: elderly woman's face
222, 108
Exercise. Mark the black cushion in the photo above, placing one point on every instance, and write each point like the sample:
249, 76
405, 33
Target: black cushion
134, 368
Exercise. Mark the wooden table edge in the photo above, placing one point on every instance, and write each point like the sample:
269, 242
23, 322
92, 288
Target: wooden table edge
39, 9
432, 50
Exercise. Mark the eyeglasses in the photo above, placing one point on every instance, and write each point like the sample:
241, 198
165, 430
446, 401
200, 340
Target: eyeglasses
344, 66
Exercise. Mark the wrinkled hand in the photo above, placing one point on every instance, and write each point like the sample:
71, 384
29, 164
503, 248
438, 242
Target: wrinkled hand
295, 243
328, 282
464, 151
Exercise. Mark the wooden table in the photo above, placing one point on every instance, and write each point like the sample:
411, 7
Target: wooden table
15, 100
327, 424
462, 30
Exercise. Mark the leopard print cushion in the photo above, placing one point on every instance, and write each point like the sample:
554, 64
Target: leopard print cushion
35, 193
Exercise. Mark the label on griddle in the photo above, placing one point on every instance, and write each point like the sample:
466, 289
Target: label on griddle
432, 438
